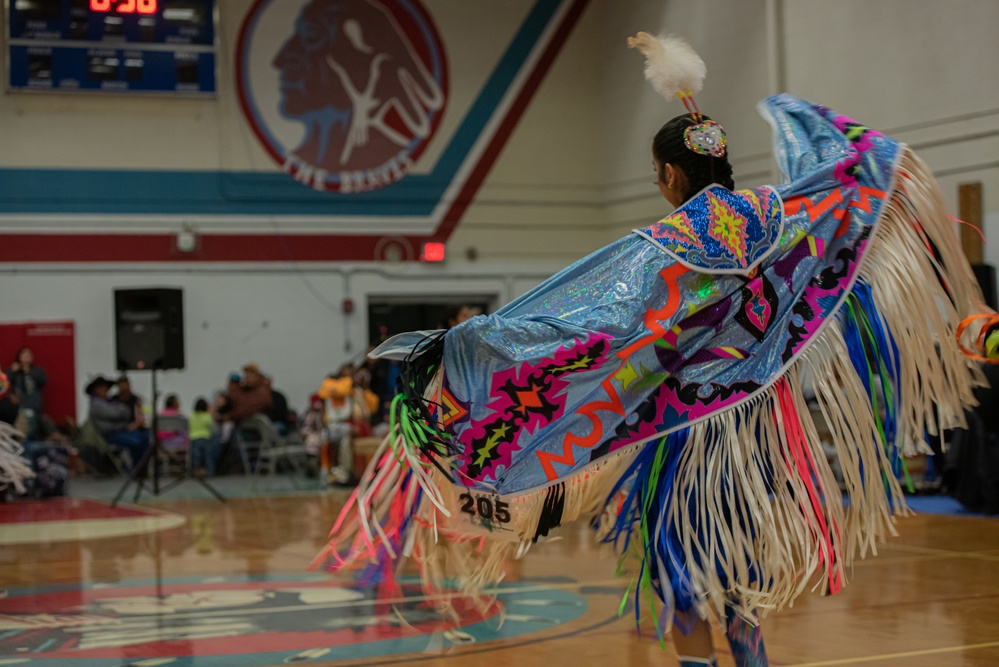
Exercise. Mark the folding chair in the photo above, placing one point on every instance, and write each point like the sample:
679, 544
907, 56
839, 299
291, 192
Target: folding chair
271, 446
94, 450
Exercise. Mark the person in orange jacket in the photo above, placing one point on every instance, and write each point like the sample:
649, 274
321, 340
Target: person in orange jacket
337, 391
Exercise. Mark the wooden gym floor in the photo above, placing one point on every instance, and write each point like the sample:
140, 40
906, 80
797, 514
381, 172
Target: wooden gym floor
193, 583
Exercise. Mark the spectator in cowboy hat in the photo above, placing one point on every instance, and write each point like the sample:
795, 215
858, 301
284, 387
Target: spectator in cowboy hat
115, 420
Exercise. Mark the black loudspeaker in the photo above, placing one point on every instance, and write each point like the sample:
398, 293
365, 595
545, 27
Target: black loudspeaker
149, 329
986, 275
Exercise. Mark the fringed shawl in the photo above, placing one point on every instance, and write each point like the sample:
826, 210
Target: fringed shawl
661, 383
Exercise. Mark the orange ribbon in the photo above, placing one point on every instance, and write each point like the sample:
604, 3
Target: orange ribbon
991, 320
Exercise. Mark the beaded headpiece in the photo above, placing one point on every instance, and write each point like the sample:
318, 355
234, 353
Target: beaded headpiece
674, 68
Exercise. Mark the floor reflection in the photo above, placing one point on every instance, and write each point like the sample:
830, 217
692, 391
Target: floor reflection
228, 586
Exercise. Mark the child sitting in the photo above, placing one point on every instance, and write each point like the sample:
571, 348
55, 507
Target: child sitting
204, 441
172, 435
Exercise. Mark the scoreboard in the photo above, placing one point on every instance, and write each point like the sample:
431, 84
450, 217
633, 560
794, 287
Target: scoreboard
127, 46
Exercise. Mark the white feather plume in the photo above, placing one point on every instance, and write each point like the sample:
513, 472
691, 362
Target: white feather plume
672, 66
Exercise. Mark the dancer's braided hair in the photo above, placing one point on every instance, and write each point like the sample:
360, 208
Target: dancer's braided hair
701, 170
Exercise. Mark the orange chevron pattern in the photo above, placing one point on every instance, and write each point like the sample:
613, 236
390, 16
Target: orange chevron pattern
654, 318
653, 322
571, 440
866, 193
793, 205
815, 209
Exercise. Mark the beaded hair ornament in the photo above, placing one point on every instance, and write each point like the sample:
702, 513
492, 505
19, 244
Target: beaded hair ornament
674, 68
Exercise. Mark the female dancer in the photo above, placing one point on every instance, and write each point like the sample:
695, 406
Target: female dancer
658, 383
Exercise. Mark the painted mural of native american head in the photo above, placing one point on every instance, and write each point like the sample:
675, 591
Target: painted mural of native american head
362, 87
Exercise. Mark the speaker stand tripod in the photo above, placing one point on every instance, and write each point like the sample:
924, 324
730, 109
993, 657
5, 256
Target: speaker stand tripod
140, 468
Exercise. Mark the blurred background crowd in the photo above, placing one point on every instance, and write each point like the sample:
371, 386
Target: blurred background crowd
248, 425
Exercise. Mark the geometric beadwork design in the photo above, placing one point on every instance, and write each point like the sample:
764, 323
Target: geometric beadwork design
721, 231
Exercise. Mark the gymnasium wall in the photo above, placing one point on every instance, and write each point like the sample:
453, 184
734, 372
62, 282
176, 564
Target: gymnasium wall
537, 210
919, 70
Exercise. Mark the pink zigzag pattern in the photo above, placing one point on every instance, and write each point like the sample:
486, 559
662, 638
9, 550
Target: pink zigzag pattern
501, 404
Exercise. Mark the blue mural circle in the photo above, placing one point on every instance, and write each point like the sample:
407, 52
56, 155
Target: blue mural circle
256, 621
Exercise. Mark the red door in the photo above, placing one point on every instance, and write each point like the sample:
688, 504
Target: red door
54, 345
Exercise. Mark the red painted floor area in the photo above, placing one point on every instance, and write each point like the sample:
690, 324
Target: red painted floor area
64, 509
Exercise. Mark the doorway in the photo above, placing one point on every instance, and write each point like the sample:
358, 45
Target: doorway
388, 316
54, 346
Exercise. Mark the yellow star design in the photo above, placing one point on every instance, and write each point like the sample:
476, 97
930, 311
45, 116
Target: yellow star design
626, 375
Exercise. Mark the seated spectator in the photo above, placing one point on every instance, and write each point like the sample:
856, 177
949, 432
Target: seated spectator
205, 442
171, 406
363, 373
220, 411
220, 403
248, 395
49, 453
338, 390
116, 420
173, 440
366, 404
280, 414
125, 396
313, 429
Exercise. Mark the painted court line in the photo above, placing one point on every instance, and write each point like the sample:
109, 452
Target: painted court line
896, 656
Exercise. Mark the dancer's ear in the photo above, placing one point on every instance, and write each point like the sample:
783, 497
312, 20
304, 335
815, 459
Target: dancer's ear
673, 184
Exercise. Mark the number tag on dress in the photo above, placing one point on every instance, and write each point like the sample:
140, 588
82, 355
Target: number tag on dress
485, 512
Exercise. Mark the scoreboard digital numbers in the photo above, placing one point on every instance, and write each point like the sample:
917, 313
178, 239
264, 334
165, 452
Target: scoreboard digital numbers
127, 46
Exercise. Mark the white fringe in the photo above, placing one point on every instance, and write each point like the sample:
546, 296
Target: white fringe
934, 380
724, 466
475, 557
14, 470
